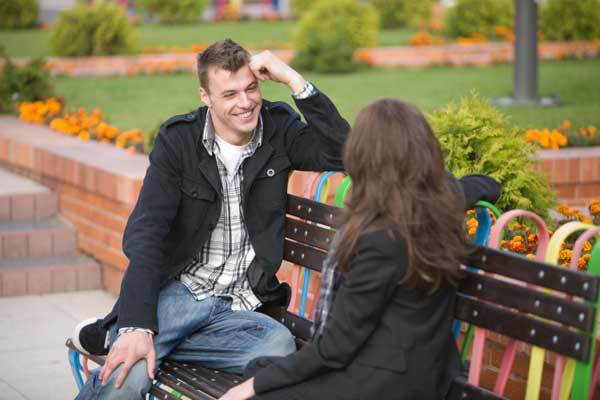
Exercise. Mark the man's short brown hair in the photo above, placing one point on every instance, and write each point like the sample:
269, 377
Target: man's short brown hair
224, 54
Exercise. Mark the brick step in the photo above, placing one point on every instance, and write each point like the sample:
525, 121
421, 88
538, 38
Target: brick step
49, 237
22, 199
42, 275
28, 206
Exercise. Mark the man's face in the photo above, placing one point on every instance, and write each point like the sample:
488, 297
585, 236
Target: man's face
234, 100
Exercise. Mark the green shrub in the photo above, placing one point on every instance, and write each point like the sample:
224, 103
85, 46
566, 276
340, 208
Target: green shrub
98, 29
173, 11
330, 55
570, 19
326, 36
16, 14
29, 83
478, 16
300, 7
403, 13
476, 138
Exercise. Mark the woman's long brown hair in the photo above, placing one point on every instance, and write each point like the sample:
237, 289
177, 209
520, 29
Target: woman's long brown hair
399, 184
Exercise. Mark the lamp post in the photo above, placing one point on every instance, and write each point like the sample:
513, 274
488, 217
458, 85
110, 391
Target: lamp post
525, 67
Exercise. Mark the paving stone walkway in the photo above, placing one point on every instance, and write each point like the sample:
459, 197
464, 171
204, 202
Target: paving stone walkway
33, 330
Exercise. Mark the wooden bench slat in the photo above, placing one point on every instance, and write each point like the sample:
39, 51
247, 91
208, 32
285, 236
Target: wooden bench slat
518, 267
311, 210
461, 390
200, 378
222, 380
183, 386
303, 255
310, 234
528, 300
524, 328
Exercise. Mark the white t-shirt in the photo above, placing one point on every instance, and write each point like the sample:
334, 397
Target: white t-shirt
230, 155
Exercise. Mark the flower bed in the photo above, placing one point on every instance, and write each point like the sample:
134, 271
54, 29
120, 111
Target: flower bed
81, 123
521, 237
563, 136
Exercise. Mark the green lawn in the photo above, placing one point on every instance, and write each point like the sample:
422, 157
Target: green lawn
145, 101
255, 34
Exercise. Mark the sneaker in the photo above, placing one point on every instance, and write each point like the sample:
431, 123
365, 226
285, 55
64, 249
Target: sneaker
90, 338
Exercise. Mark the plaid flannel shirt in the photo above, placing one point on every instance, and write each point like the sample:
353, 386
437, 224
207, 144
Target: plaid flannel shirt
221, 265
330, 283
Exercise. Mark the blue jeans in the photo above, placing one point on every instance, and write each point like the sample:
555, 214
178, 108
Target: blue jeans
205, 331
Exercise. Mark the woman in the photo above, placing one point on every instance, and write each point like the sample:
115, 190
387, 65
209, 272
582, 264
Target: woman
389, 279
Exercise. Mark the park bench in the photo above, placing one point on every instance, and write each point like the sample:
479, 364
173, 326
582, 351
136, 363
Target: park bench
500, 293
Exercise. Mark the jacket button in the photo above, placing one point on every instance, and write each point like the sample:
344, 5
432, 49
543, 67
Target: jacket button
270, 172
194, 194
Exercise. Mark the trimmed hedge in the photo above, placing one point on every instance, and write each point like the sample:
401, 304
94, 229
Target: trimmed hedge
477, 138
18, 14
173, 11
468, 17
403, 13
99, 29
329, 46
571, 19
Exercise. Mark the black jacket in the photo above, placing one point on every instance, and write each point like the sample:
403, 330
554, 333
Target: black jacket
381, 340
180, 201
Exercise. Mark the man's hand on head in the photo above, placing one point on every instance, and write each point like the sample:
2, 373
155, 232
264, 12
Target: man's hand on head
128, 349
266, 66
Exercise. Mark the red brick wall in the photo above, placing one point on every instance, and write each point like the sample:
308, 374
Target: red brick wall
574, 173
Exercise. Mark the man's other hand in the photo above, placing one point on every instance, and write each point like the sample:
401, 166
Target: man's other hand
128, 349
266, 66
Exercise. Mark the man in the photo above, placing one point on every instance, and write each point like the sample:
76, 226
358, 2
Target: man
205, 238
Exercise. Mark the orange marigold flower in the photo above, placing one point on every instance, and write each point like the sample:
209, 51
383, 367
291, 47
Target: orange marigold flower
120, 142
566, 124
532, 135
517, 247
566, 211
581, 264
517, 238
533, 238
594, 207
472, 222
565, 255
591, 130
587, 246
505, 244
111, 132
84, 135
53, 105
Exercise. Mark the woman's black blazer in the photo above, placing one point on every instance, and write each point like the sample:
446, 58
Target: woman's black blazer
390, 342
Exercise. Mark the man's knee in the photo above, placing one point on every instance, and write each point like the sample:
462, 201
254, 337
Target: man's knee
279, 342
135, 386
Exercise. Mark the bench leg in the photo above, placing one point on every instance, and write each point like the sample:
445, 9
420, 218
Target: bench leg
76, 368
